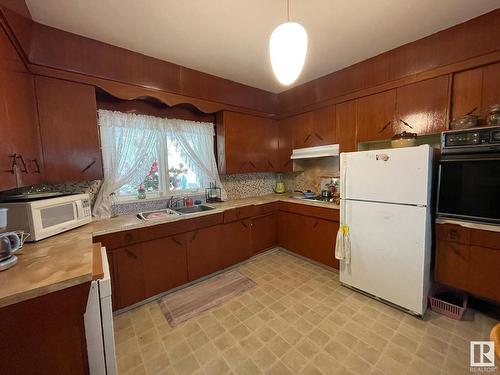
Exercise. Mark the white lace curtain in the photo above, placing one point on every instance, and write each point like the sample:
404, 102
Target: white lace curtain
129, 147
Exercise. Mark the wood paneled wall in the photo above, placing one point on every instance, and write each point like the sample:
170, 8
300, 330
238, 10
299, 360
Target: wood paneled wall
152, 107
464, 46
49, 47
477, 37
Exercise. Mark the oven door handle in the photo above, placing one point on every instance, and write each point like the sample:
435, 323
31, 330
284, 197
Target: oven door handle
474, 159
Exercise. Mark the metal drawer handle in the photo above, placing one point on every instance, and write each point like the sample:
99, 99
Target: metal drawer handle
130, 253
252, 164
13, 164
34, 161
307, 138
195, 234
270, 164
244, 224
87, 167
177, 241
453, 234
385, 127
23, 169
318, 136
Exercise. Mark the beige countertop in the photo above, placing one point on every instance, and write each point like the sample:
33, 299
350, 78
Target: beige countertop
65, 260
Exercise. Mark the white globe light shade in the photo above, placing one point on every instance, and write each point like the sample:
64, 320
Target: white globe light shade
288, 49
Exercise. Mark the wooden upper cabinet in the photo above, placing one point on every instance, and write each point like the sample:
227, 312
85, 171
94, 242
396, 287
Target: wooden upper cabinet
314, 128
285, 139
246, 143
491, 87
423, 106
375, 116
466, 93
345, 123
475, 89
21, 161
68, 124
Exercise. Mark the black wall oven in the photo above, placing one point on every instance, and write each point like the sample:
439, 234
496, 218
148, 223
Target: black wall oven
469, 175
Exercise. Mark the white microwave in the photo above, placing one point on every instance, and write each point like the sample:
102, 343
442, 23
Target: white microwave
43, 218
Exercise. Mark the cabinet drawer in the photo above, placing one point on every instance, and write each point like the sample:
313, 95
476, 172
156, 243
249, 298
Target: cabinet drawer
308, 210
120, 239
485, 238
453, 233
267, 208
239, 213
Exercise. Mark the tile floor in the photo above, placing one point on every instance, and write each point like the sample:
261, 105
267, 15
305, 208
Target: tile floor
297, 320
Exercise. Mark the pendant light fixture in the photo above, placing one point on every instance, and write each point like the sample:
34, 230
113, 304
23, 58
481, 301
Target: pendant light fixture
288, 49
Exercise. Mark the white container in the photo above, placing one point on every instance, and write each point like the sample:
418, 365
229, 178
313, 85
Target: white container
3, 218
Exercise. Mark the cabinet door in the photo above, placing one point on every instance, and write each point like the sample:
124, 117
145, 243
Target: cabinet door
247, 143
165, 264
264, 233
322, 235
285, 164
18, 114
314, 128
466, 93
452, 264
204, 253
129, 275
323, 126
423, 106
236, 244
375, 116
68, 124
292, 232
269, 137
491, 87
345, 122
484, 278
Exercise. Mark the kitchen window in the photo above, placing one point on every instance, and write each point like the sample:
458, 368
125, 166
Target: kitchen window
152, 157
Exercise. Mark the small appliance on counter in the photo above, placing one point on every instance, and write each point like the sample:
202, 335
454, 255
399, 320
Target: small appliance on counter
9, 243
45, 217
280, 184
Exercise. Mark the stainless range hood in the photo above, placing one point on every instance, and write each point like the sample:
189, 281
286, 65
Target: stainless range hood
315, 152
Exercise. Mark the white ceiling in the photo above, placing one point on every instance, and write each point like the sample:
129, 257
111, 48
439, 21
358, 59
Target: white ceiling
229, 38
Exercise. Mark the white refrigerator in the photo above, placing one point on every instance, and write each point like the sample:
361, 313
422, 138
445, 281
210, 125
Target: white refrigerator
385, 201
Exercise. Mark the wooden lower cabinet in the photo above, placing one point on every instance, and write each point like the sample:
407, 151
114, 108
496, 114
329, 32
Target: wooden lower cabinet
468, 259
128, 274
452, 264
236, 246
264, 233
484, 276
290, 232
45, 335
311, 237
165, 264
204, 252
142, 267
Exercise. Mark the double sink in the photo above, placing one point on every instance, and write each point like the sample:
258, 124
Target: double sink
166, 212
